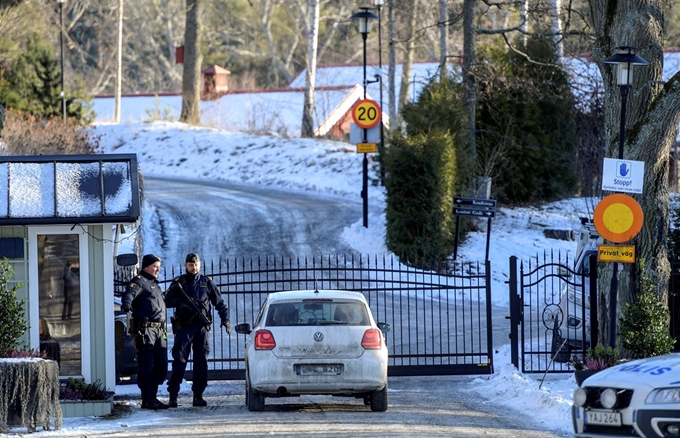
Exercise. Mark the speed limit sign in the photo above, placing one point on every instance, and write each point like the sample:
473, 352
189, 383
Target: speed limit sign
366, 113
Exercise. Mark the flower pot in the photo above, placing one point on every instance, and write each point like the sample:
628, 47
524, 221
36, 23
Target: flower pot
581, 375
86, 408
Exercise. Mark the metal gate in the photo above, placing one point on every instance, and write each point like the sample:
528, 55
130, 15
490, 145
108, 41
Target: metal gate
440, 323
548, 319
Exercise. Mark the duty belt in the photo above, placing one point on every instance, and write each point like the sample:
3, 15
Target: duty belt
153, 324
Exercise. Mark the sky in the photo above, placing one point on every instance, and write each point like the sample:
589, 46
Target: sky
334, 168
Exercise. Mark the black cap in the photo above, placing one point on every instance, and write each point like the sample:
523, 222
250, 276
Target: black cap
192, 258
149, 260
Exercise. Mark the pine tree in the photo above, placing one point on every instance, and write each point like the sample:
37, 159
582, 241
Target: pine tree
644, 323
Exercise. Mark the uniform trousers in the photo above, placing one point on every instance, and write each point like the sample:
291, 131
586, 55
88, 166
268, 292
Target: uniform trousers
191, 339
152, 360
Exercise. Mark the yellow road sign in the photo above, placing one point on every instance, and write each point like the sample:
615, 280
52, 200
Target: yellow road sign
366, 113
614, 253
367, 147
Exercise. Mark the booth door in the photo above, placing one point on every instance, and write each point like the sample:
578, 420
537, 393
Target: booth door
62, 298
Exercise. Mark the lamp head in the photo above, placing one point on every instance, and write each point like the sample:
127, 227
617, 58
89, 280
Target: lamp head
378, 3
364, 17
625, 59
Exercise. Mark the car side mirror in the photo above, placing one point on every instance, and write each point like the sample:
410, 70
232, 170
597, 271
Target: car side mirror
384, 327
243, 328
126, 259
563, 272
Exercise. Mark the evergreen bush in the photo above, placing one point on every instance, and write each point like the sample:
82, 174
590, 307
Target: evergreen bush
13, 318
420, 180
526, 132
643, 330
439, 108
32, 84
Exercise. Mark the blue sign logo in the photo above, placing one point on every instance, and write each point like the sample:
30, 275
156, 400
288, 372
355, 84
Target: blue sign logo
623, 169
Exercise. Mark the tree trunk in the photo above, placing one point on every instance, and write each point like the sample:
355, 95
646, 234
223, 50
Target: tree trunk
652, 117
556, 29
191, 81
443, 38
409, 53
391, 69
470, 91
312, 43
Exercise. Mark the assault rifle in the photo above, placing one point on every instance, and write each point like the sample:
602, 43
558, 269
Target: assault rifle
199, 312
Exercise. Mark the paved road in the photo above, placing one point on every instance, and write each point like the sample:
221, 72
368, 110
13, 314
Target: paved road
221, 219
227, 220
432, 406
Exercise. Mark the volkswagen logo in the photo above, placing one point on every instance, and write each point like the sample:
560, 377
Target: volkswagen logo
318, 337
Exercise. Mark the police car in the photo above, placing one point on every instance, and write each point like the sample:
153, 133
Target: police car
634, 399
315, 342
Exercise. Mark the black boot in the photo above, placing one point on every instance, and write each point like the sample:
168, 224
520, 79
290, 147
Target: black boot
148, 401
198, 400
173, 400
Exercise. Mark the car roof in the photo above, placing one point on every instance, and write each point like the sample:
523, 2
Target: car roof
311, 294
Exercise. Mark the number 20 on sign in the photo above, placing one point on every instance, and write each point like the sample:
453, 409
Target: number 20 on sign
366, 113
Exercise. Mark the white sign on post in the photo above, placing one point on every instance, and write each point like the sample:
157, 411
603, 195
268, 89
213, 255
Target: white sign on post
620, 175
356, 134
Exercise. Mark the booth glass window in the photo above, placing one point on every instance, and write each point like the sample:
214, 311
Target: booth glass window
60, 301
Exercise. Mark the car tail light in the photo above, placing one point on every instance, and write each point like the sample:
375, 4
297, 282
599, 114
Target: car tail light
372, 339
264, 340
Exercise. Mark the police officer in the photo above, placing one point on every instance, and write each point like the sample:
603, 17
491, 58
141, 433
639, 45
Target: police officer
144, 297
191, 294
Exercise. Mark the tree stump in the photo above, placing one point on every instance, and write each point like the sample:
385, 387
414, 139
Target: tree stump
29, 394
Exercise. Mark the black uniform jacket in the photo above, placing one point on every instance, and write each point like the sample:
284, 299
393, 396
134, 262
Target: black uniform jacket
202, 291
143, 294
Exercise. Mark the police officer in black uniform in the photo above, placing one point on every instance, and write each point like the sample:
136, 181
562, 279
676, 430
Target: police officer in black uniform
191, 295
144, 297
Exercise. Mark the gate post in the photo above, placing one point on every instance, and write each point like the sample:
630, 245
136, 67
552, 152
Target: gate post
489, 320
594, 324
514, 313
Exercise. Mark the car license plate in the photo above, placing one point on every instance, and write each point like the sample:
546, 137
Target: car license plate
604, 418
318, 370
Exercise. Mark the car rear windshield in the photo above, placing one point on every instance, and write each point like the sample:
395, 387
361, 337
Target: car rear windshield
317, 313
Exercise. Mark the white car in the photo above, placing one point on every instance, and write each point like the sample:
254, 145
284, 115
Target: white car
634, 399
320, 342
571, 326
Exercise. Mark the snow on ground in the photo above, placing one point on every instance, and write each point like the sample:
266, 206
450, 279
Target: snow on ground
175, 149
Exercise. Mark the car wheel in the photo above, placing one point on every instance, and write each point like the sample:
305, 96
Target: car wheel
560, 352
379, 400
254, 400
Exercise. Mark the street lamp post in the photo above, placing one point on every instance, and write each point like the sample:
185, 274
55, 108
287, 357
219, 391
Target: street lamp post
625, 60
61, 43
364, 18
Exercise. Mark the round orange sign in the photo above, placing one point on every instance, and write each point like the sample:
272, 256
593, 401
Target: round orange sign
366, 113
618, 218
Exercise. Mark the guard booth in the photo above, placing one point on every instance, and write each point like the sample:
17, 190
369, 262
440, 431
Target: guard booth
59, 219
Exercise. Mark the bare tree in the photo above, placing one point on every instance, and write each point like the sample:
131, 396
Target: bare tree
191, 82
443, 38
652, 117
469, 86
312, 15
392, 62
409, 53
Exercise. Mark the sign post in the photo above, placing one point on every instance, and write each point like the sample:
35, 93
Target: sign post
366, 114
475, 207
618, 218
